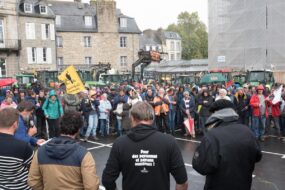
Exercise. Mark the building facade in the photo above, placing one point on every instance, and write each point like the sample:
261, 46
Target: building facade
166, 42
95, 33
10, 44
247, 35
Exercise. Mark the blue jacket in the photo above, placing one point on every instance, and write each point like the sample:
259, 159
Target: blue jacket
52, 110
120, 99
104, 105
22, 133
191, 106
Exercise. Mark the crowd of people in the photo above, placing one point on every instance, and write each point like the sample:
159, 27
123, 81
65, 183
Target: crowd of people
106, 110
52, 120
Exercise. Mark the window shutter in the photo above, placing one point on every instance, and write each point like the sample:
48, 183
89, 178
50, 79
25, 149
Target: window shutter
27, 31
43, 31
29, 55
48, 55
39, 55
33, 31
52, 33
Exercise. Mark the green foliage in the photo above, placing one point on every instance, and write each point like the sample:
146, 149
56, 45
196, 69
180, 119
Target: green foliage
194, 35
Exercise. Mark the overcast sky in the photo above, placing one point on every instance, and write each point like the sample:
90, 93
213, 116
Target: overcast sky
154, 14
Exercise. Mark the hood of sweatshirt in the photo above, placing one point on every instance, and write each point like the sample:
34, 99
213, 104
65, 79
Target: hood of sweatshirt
141, 132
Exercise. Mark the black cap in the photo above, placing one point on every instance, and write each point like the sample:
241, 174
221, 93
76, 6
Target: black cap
221, 104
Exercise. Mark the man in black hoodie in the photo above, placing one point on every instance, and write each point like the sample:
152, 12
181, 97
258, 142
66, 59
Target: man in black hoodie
228, 152
145, 156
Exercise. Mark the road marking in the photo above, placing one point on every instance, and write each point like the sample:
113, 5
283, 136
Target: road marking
96, 147
101, 187
266, 152
188, 140
101, 144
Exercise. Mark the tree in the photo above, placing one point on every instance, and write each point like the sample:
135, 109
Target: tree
194, 35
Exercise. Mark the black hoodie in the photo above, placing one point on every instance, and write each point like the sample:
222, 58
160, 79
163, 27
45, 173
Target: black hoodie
145, 157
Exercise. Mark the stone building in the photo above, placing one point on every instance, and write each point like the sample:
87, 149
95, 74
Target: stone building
166, 42
96, 33
10, 45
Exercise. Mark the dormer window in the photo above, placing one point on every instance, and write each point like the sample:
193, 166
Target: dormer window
88, 21
28, 8
43, 9
123, 22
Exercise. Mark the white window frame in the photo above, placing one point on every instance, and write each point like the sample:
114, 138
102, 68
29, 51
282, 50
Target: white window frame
87, 41
2, 27
34, 54
58, 20
43, 6
59, 41
123, 61
123, 41
30, 31
47, 31
88, 21
88, 60
2, 3
26, 5
123, 22
178, 46
147, 48
172, 57
5, 69
59, 60
172, 46
45, 54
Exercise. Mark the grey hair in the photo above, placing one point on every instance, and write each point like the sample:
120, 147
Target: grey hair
186, 92
142, 111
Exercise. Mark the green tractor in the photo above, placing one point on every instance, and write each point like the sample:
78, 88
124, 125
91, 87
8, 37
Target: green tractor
256, 77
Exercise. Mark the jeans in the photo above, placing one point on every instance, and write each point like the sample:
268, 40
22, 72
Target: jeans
92, 125
203, 120
258, 125
171, 122
103, 127
119, 127
53, 127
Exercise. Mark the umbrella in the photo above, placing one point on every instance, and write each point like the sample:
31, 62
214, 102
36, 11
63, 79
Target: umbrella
212, 78
7, 82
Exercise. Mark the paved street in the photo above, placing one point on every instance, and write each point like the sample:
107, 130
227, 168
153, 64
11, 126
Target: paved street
268, 175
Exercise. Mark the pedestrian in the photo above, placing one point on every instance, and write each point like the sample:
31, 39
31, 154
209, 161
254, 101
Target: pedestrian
104, 108
92, 107
27, 129
228, 151
172, 108
40, 115
241, 102
53, 111
72, 166
144, 163
71, 102
8, 103
204, 103
187, 107
259, 113
15, 155
161, 110
223, 95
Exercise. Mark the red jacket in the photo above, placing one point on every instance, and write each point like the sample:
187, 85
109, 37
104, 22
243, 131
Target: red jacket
275, 108
254, 103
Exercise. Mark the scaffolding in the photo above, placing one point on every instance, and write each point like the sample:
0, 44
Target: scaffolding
247, 34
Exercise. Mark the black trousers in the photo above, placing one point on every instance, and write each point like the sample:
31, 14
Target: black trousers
41, 127
53, 127
161, 122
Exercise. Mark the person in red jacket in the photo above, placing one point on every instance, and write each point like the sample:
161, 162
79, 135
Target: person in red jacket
260, 112
274, 113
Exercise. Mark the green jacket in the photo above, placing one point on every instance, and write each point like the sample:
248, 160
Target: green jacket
53, 110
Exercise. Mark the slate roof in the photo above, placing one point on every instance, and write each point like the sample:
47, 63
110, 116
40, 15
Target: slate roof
36, 9
171, 35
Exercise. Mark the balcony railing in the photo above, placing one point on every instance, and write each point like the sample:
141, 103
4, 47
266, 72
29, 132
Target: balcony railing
10, 45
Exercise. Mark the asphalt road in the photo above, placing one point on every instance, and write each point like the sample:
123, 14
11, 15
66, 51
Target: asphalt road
268, 174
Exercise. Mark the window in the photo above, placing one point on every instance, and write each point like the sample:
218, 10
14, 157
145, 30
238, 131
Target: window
88, 20
28, 8
43, 9
59, 41
123, 41
45, 31
88, 60
178, 56
2, 67
87, 41
58, 20
44, 54
34, 54
172, 57
1, 31
123, 61
30, 31
172, 48
60, 61
147, 48
123, 22
178, 46
1, 3
153, 48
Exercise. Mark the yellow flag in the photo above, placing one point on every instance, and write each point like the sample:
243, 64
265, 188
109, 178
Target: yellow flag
71, 80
